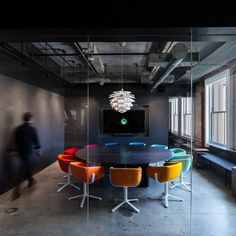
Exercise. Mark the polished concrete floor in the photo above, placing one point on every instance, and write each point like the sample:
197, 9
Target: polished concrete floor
209, 211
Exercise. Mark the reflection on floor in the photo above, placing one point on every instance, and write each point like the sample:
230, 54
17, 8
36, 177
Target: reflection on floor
42, 211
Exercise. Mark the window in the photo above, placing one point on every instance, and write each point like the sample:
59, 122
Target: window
217, 103
174, 115
186, 124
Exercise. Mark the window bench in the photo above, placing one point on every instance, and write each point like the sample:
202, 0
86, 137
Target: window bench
225, 164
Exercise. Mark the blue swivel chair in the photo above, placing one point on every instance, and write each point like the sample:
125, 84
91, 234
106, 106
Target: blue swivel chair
137, 144
161, 146
112, 144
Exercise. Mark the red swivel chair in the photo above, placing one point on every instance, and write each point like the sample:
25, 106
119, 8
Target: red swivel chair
64, 160
90, 145
71, 151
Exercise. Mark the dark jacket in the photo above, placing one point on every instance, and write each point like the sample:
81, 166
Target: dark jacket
26, 139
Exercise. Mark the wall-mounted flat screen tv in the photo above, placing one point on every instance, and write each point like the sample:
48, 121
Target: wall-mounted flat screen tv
130, 122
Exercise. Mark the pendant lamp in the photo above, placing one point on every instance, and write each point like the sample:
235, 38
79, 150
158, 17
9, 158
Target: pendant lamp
121, 100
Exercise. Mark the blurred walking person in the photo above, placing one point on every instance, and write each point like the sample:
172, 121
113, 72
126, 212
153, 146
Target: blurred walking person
25, 141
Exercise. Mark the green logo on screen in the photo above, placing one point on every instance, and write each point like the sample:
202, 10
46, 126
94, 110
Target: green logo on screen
123, 121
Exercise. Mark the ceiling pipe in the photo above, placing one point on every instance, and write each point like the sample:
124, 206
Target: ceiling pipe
179, 52
79, 50
91, 54
61, 56
101, 81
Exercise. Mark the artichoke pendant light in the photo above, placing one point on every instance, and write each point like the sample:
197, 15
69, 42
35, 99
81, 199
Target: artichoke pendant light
121, 100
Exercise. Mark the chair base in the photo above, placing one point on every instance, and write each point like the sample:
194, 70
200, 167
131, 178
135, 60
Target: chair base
128, 201
67, 184
166, 199
84, 196
181, 182
125, 200
166, 196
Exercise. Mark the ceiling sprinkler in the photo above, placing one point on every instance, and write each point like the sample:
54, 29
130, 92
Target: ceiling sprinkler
101, 82
91, 58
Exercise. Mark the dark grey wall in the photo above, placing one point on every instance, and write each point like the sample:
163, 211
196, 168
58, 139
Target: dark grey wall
76, 127
17, 97
29, 72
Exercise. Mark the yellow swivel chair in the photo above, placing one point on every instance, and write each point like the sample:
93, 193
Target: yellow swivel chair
165, 174
125, 177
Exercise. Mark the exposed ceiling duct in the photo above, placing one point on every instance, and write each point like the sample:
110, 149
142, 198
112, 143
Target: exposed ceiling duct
75, 61
179, 52
224, 53
157, 56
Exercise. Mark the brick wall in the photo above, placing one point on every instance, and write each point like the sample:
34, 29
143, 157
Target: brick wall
199, 136
234, 108
199, 129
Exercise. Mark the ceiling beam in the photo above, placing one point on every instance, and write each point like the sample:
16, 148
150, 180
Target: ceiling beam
78, 49
116, 34
93, 54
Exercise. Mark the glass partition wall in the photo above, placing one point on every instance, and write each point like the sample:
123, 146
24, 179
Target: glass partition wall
124, 101
119, 104
213, 88
183, 88
144, 105
157, 72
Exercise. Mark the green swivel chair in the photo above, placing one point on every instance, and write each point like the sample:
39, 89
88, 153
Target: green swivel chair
178, 151
186, 161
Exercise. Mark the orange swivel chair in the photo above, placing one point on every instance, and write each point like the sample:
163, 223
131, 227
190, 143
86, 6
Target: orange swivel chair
125, 177
164, 174
88, 175
64, 160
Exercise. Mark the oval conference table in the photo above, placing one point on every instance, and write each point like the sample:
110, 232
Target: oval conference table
125, 156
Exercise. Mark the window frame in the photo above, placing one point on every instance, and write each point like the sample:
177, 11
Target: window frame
174, 101
184, 113
209, 109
